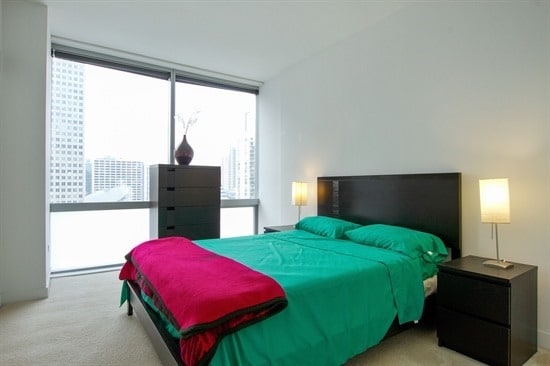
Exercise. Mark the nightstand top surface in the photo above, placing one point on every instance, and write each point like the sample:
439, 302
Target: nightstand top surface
474, 265
279, 228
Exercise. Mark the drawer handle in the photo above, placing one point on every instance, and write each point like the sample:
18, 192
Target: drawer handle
170, 227
170, 208
170, 189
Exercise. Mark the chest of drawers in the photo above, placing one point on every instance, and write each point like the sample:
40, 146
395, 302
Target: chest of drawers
185, 201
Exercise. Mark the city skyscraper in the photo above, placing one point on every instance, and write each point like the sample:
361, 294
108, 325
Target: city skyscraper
67, 166
116, 180
239, 165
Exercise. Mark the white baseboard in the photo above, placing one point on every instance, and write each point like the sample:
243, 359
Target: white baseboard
9, 297
544, 339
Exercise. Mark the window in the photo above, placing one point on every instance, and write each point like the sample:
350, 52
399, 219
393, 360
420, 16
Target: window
224, 134
108, 126
110, 120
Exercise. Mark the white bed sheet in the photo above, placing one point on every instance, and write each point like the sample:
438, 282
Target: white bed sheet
430, 285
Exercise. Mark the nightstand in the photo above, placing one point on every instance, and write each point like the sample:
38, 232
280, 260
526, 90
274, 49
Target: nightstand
275, 229
487, 313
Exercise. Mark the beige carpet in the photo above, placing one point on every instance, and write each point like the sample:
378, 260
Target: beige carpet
81, 324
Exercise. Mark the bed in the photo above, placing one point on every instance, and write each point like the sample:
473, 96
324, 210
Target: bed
340, 296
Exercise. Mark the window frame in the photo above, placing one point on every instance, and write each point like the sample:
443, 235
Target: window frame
163, 70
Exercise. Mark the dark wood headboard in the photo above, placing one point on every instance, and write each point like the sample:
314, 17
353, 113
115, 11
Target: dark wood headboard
425, 202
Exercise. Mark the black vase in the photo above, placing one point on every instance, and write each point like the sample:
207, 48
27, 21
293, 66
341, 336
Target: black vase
184, 153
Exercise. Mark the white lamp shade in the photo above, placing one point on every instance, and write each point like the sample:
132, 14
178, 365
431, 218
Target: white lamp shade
494, 201
299, 193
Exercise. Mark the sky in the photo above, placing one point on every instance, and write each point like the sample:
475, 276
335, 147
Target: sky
127, 116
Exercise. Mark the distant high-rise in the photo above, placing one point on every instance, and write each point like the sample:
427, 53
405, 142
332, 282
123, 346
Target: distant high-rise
247, 159
239, 165
67, 166
117, 180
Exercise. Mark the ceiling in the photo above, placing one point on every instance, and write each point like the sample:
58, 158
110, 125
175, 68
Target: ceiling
251, 39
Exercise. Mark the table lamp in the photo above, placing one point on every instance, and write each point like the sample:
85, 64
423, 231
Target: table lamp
299, 195
495, 209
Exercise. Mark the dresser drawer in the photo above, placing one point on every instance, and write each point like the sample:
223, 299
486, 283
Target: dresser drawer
191, 196
185, 177
199, 231
477, 338
171, 216
483, 299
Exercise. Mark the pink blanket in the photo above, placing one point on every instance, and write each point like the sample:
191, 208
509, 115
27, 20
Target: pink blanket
204, 295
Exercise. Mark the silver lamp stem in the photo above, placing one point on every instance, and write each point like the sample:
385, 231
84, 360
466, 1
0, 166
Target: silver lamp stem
496, 239
501, 264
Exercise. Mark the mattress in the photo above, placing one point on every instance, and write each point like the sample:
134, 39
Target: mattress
342, 298
430, 286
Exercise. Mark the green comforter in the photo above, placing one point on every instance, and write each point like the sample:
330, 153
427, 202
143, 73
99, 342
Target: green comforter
342, 298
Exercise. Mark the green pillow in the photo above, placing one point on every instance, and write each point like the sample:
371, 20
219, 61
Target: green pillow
326, 226
413, 243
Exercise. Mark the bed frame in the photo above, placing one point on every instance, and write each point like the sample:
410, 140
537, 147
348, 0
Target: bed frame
426, 202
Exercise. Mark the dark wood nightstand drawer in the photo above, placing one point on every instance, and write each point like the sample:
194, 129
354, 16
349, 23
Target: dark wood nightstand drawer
276, 229
478, 338
483, 299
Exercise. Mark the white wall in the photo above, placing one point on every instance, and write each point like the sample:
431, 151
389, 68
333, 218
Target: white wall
437, 87
23, 157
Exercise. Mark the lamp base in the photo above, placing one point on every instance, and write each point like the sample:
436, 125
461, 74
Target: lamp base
498, 263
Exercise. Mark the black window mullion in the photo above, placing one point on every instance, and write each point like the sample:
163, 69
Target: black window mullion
122, 64
215, 83
112, 63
